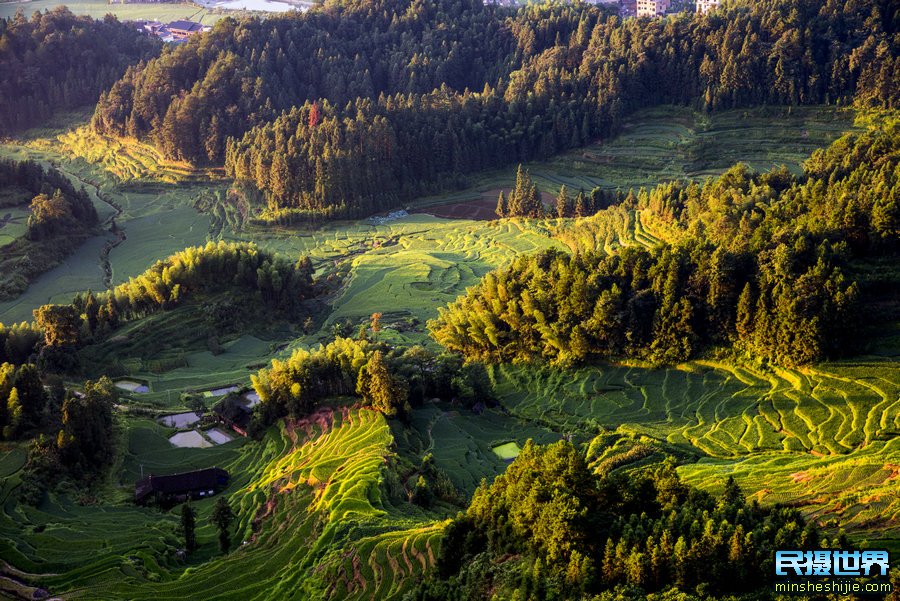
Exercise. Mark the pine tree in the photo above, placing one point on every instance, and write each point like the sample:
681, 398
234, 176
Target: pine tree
31, 394
744, 322
534, 208
315, 115
14, 415
7, 375
188, 527
382, 391
595, 202
562, 203
581, 208
222, 516
502, 208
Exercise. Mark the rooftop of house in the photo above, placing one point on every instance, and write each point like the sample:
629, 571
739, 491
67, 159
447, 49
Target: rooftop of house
206, 479
185, 26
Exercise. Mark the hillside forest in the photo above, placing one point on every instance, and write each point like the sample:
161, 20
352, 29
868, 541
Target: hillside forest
601, 391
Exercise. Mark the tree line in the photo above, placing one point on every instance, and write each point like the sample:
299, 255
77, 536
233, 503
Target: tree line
389, 379
551, 528
524, 200
758, 261
61, 218
562, 76
70, 432
57, 61
265, 280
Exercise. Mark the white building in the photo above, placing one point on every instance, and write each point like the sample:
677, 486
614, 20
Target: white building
704, 6
652, 8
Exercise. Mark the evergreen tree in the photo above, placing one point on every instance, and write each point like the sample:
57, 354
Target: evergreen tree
581, 205
15, 415
563, 208
382, 391
188, 527
502, 209
31, 394
222, 516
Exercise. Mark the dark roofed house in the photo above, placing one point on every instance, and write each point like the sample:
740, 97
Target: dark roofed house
181, 30
234, 414
180, 487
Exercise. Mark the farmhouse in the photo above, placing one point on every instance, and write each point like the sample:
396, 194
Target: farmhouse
180, 487
652, 8
182, 30
231, 412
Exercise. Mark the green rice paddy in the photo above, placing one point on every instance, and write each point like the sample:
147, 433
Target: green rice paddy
824, 438
318, 515
507, 451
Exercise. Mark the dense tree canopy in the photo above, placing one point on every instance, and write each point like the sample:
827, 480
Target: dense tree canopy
246, 72
550, 528
57, 60
757, 260
272, 280
389, 379
85, 441
517, 86
23, 399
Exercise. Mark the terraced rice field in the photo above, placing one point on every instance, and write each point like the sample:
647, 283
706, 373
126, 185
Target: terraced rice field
661, 144
824, 438
665, 143
128, 160
409, 267
309, 495
316, 519
462, 442
149, 199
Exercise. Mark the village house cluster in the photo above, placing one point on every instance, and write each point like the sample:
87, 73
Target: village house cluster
176, 31
657, 8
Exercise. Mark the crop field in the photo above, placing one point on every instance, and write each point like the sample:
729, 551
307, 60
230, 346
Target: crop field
666, 143
79, 271
149, 199
822, 438
462, 442
307, 481
13, 223
319, 512
409, 267
128, 160
125, 12
150, 237
169, 351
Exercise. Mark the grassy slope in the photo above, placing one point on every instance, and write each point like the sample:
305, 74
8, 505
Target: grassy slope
316, 522
666, 143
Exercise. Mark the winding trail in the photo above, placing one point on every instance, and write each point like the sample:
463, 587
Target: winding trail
118, 232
